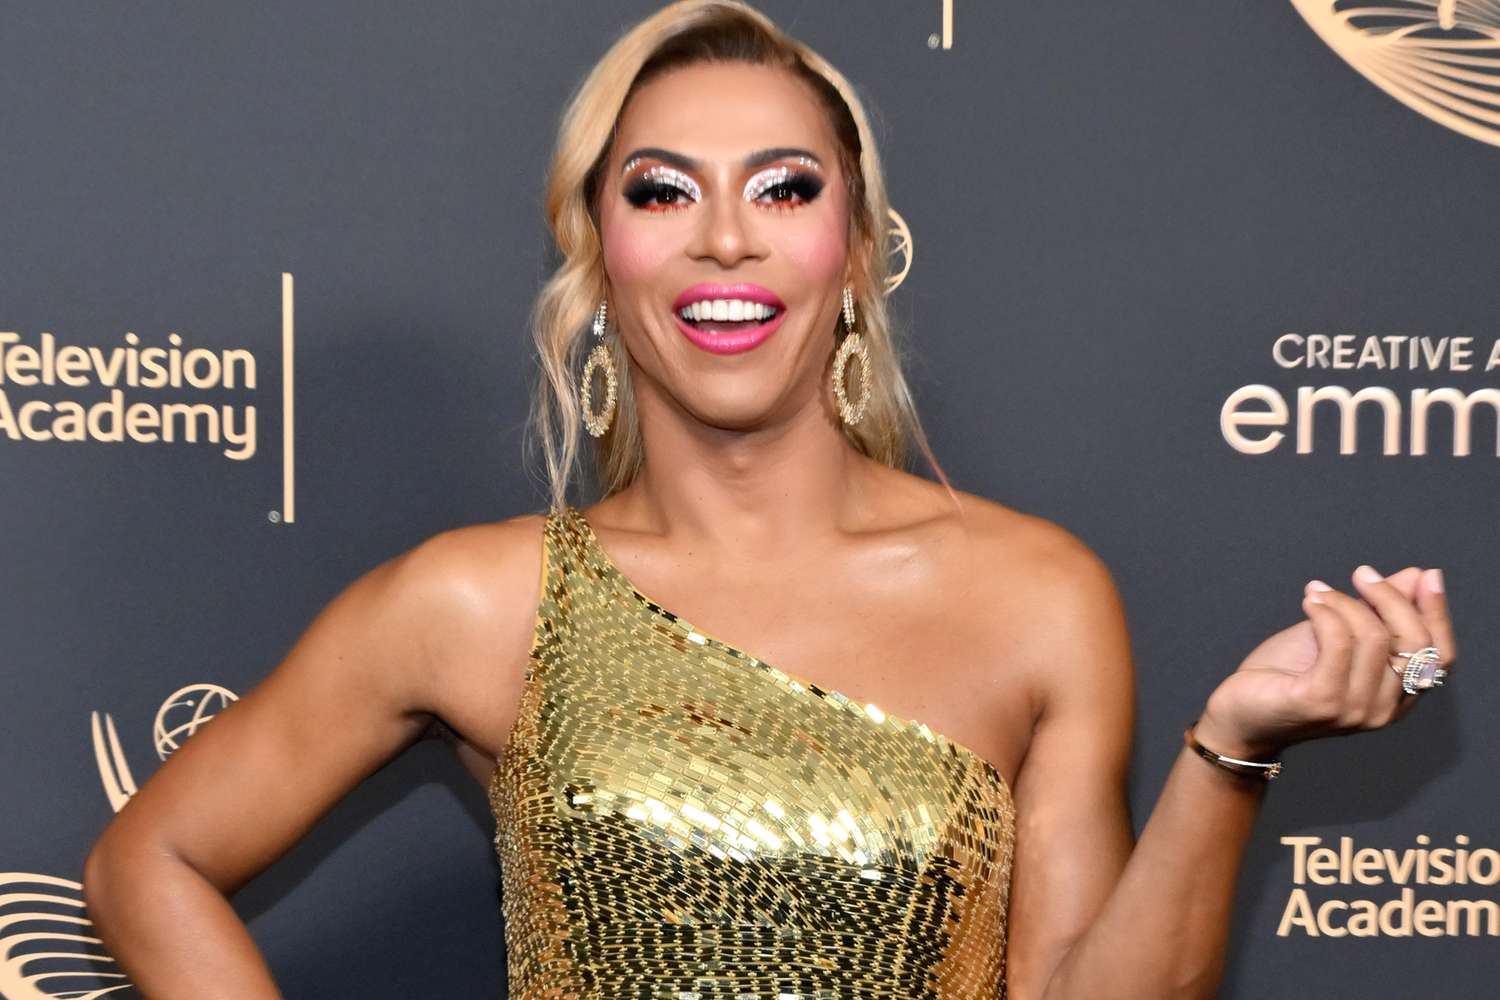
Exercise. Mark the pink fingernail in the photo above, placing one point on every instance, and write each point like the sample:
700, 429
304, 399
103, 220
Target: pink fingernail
1318, 585
1435, 580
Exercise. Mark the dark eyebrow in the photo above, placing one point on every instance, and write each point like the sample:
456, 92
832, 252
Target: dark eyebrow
758, 158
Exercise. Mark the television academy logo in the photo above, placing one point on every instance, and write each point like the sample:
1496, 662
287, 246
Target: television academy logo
177, 393
1438, 57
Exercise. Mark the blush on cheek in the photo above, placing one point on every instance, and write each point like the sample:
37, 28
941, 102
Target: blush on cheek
817, 249
634, 254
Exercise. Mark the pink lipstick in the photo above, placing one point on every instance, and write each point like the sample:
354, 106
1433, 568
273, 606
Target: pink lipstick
733, 341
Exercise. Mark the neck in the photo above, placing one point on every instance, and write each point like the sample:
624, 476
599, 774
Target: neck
762, 493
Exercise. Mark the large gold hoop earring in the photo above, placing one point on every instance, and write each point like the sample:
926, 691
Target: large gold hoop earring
853, 345
599, 357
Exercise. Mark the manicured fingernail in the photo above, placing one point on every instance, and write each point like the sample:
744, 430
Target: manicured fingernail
1313, 597
1435, 580
1368, 574
1318, 585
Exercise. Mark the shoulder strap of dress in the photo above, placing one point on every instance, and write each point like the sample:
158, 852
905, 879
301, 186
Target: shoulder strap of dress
563, 549
558, 564
575, 584
562, 535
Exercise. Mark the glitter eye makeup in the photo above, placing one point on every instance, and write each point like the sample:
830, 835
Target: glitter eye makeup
658, 181
803, 184
654, 184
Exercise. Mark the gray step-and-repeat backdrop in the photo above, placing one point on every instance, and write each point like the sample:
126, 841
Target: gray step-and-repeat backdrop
1212, 285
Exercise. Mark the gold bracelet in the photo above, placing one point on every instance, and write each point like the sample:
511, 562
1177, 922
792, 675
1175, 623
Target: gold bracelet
1248, 768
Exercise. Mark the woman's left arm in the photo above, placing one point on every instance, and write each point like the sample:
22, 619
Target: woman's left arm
1095, 915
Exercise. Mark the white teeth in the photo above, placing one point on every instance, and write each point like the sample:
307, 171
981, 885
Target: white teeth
726, 310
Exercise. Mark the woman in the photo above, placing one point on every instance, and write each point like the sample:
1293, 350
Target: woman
676, 815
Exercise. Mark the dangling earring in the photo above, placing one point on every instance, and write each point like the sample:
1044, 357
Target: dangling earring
853, 344
599, 357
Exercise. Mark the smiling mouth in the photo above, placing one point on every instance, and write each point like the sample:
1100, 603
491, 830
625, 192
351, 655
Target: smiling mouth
727, 326
709, 325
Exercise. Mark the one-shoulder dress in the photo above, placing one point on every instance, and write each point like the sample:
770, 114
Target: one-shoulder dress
677, 819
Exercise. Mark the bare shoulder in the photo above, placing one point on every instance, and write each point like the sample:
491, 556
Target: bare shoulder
1053, 601
473, 565
1016, 542
482, 584
1057, 562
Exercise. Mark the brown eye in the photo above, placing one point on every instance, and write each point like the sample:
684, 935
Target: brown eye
795, 190
645, 192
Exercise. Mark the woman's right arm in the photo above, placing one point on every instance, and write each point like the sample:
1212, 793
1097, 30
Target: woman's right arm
362, 683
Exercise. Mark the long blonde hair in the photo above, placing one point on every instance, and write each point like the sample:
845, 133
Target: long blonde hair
683, 33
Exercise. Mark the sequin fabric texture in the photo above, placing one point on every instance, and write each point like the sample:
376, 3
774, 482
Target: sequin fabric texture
678, 820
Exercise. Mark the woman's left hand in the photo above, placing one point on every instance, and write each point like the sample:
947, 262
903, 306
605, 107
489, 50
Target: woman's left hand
1330, 674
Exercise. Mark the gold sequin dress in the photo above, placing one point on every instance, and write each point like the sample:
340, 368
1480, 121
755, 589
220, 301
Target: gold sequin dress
677, 819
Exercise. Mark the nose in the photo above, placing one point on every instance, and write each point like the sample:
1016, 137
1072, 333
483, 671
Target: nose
725, 232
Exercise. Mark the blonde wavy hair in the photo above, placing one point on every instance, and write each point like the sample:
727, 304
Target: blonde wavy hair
681, 34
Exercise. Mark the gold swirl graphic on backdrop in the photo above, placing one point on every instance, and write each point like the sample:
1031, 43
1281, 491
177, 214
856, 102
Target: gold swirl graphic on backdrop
1440, 58
899, 236
47, 948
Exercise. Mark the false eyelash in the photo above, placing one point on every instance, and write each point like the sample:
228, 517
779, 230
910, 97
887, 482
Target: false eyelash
804, 186
658, 180
642, 191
